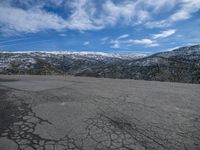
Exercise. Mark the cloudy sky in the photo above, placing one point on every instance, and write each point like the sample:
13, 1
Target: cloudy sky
142, 26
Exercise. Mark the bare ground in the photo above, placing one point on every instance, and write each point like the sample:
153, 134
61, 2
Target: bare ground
61, 113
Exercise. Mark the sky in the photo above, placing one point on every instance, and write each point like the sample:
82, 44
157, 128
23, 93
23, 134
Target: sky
119, 26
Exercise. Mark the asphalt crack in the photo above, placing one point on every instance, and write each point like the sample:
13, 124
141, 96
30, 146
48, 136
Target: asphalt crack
19, 122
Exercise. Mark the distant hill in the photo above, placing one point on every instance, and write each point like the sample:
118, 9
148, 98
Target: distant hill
178, 65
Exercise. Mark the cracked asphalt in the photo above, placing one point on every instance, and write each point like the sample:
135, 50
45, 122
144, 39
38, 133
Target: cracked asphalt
80, 113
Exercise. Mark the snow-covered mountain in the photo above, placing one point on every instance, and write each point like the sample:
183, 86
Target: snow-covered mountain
188, 52
181, 65
81, 54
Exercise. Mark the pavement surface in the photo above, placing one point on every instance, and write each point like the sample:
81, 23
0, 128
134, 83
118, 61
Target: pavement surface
80, 113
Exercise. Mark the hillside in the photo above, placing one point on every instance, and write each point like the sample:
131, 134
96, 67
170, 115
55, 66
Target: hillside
178, 65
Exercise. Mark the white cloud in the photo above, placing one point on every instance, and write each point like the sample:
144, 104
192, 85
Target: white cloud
118, 41
142, 41
134, 12
188, 7
186, 10
115, 43
85, 15
63, 35
57, 2
128, 11
180, 15
153, 45
88, 15
152, 42
123, 36
114, 12
104, 38
160, 5
157, 24
86, 43
164, 34
33, 20
145, 42
82, 17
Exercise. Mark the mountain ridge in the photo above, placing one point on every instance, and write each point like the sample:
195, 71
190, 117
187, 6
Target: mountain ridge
179, 65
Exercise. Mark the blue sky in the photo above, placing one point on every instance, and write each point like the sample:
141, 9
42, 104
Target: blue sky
136, 26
